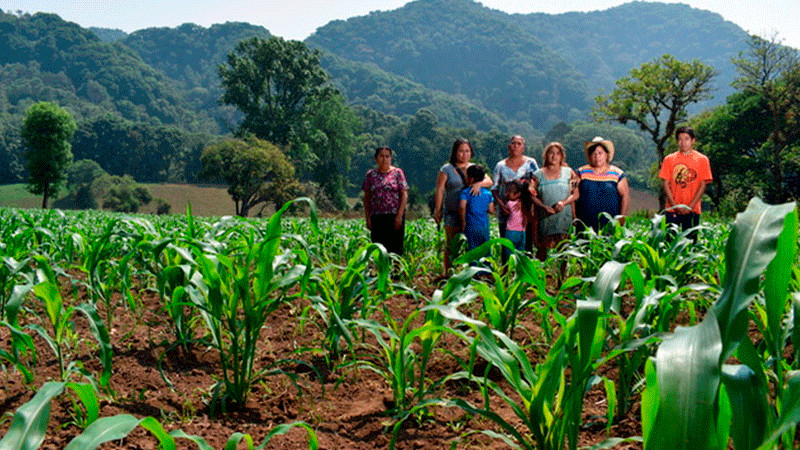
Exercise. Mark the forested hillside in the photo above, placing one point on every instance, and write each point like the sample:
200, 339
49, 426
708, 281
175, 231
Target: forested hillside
458, 46
45, 58
604, 45
538, 68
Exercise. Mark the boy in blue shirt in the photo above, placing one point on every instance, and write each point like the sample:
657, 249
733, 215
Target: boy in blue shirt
475, 209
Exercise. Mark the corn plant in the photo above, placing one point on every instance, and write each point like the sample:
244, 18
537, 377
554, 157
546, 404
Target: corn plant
59, 317
396, 359
694, 399
235, 295
542, 397
354, 294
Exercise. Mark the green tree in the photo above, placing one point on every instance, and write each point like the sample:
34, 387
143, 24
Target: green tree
655, 97
771, 72
333, 143
271, 82
80, 178
47, 131
120, 194
255, 171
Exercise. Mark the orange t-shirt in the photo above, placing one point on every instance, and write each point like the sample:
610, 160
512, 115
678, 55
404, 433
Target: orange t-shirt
685, 174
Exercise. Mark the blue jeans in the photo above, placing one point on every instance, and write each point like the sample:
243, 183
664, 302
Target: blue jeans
518, 239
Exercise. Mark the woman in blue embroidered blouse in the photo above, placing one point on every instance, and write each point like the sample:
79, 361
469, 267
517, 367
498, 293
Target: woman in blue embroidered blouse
603, 187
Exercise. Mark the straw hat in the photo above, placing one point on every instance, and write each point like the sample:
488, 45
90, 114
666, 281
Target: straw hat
608, 145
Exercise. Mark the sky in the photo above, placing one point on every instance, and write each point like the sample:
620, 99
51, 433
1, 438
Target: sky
297, 19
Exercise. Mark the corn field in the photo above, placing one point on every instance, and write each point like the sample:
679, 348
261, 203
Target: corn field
121, 331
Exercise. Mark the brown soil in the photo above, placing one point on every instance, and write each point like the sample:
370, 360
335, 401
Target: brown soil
347, 409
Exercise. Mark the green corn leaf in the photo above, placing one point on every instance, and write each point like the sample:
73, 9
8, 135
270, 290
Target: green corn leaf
750, 248
101, 334
790, 411
688, 380
202, 444
48, 292
88, 397
748, 398
776, 282
313, 442
29, 424
118, 427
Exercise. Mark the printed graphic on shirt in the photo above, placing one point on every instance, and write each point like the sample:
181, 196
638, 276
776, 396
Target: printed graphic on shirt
683, 175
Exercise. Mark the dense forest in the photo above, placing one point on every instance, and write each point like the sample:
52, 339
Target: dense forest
148, 103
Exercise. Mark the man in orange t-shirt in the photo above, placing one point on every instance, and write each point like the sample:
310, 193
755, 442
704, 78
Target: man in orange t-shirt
685, 174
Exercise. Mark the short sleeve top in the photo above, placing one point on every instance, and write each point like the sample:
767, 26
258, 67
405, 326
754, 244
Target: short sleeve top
685, 173
598, 194
385, 189
452, 188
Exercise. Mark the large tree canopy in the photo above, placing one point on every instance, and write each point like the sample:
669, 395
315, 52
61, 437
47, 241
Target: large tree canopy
771, 72
271, 81
655, 96
254, 170
47, 131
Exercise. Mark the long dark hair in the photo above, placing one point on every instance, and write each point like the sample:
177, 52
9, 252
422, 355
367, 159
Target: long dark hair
524, 193
456, 144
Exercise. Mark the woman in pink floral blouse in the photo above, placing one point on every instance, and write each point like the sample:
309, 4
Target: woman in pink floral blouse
385, 197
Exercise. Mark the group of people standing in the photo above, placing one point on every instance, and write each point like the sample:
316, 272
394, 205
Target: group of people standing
536, 206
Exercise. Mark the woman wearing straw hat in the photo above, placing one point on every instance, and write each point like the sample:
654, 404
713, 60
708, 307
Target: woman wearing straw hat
603, 188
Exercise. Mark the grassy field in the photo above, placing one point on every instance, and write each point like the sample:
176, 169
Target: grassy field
205, 200
214, 200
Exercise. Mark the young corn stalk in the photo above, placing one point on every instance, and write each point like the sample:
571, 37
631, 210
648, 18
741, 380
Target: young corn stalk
694, 398
354, 294
235, 295
543, 398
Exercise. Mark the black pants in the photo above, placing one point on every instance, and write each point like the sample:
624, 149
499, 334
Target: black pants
684, 222
383, 232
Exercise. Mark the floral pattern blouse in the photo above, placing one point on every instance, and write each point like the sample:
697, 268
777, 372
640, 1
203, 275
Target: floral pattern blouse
385, 189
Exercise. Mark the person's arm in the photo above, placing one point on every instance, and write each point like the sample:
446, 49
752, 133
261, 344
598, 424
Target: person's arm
401, 210
367, 204
462, 210
533, 188
498, 180
671, 204
486, 183
573, 194
699, 196
441, 181
623, 189
491, 208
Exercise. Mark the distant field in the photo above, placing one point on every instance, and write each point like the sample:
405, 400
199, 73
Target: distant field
205, 200
214, 200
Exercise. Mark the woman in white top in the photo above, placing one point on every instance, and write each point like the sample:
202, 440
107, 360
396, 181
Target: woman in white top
516, 167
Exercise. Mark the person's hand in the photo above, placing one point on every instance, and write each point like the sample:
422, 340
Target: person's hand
437, 216
506, 210
683, 210
369, 224
475, 190
398, 221
558, 207
621, 220
549, 210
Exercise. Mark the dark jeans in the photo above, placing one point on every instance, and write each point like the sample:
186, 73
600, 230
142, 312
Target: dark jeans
529, 236
383, 232
684, 222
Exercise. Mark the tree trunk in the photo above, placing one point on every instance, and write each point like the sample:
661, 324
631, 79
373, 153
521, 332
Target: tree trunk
45, 194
